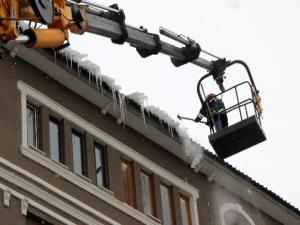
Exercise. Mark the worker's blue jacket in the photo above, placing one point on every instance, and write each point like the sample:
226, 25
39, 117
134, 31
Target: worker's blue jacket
216, 107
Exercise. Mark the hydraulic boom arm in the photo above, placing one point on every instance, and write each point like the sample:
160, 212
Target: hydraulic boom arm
80, 16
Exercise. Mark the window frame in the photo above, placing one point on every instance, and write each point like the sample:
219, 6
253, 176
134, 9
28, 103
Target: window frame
171, 204
131, 182
28, 92
32, 107
151, 193
82, 151
187, 208
61, 151
103, 152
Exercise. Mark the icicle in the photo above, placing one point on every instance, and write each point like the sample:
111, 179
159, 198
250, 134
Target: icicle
193, 152
141, 99
123, 110
111, 83
73, 56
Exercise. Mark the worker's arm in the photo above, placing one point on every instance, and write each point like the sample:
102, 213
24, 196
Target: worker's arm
202, 113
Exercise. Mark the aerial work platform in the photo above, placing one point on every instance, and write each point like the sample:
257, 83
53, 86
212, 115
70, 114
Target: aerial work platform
238, 137
244, 129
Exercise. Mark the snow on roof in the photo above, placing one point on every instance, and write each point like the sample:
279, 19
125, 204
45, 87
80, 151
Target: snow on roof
193, 152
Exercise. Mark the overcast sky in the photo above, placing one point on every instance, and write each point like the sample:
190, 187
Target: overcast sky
265, 34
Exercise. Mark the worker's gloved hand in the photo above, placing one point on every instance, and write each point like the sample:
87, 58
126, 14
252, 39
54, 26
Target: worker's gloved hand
197, 119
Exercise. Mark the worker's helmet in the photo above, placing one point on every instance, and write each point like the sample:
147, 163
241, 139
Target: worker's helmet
210, 96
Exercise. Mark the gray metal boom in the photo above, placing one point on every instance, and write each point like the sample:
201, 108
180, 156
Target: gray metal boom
136, 37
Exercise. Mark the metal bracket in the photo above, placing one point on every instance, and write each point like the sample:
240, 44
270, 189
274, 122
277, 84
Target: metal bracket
191, 51
144, 52
218, 71
118, 17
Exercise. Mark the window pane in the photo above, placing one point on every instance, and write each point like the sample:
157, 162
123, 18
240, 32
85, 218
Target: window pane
31, 126
127, 183
185, 211
100, 165
55, 145
166, 204
77, 153
147, 192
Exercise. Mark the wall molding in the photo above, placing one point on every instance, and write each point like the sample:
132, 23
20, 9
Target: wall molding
31, 93
40, 193
36, 205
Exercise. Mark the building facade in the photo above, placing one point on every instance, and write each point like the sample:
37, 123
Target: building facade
72, 153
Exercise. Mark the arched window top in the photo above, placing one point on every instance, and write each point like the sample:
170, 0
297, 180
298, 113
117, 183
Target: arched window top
234, 214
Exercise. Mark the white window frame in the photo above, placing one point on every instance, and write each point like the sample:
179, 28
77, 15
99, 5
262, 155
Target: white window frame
34, 109
27, 92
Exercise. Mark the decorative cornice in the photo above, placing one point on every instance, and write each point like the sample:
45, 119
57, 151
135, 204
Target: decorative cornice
36, 205
6, 197
49, 198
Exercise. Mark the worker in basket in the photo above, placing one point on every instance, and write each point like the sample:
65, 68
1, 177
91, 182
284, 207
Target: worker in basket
213, 110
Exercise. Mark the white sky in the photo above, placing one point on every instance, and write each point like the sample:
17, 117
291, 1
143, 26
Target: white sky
265, 34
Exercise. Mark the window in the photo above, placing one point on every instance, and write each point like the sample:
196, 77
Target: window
127, 183
166, 203
32, 219
100, 165
56, 151
185, 211
147, 191
31, 114
78, 153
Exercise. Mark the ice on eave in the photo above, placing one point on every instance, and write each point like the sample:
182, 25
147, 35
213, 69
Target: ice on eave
141, 99
193, 152
94, 71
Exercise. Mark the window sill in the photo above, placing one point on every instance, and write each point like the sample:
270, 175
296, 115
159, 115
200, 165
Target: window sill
106, 190
153, 218
83, 177
59, 168
36, 149
60, 164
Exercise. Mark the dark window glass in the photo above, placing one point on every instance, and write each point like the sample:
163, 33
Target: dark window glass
185, 211
32, 219
147, 191
166, 203
55, 140
78, 153
100, 165
127, 183
31, 126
